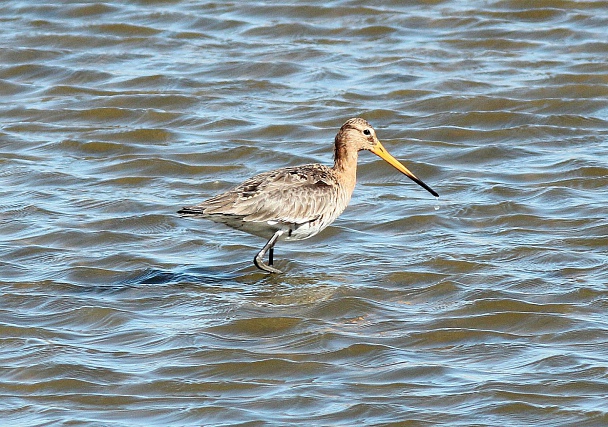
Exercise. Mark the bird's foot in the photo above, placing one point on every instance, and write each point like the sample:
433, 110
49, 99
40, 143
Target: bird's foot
259, 263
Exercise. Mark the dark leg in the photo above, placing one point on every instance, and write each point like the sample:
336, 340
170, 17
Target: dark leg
259, 258
270, 256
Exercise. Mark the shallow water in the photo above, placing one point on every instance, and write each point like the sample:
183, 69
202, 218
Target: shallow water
484, 307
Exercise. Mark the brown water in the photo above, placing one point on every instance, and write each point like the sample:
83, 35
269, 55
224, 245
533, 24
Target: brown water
485, 307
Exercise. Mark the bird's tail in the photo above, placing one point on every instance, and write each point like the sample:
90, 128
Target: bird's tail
191, 211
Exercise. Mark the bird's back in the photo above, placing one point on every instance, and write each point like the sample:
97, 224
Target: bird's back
302, 200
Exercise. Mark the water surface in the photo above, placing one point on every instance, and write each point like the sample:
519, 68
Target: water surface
485, 307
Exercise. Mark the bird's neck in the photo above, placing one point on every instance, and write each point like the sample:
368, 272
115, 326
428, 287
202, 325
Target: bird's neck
345, 165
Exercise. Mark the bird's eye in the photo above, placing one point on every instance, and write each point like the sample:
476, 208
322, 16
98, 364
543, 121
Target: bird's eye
367, 132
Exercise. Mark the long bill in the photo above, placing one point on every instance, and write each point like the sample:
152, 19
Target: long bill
380, 151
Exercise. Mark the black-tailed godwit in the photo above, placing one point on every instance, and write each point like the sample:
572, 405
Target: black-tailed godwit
295, 203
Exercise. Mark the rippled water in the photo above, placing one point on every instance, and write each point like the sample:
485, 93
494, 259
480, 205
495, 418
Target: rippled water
486, 307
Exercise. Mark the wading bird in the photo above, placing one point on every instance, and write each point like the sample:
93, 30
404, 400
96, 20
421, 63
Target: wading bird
295, 203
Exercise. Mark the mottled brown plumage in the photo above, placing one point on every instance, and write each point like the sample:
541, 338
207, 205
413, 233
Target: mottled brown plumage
295, 203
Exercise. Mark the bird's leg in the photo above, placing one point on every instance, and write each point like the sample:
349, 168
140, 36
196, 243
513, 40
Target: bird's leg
259, 258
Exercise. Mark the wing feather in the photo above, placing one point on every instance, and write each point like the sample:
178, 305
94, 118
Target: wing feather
295, 195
